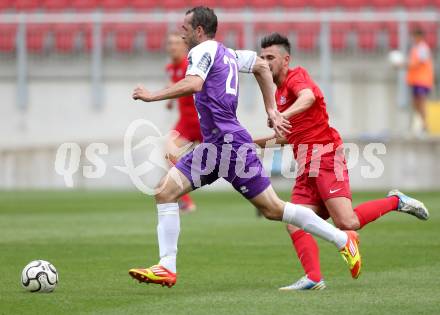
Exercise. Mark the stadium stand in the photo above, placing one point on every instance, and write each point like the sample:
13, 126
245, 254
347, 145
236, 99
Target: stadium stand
7, 37
84, 5
231, 34
65, 35
55, 5
364, 36
143, 5
110, 5
36, 35
367, 36
125, 36
26, 5
155, 34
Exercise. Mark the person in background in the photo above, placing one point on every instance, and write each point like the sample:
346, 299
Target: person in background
188, 125
420, 74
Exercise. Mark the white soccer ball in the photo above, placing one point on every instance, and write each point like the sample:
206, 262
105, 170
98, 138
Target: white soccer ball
39, 276
396, 58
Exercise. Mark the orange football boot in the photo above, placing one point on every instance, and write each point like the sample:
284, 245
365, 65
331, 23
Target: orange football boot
155, 274
350, 253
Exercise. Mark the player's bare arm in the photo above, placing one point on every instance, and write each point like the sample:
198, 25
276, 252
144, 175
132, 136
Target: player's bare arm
189, 85
270, 141
170, 103
305, 99
263, 76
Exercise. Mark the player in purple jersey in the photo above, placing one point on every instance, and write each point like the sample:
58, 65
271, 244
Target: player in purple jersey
227, 150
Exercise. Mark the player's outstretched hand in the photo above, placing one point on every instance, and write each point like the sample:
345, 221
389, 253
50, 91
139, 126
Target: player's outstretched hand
279, 123
140, 93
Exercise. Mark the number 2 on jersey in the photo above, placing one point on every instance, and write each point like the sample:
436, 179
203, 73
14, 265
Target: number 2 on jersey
233, 72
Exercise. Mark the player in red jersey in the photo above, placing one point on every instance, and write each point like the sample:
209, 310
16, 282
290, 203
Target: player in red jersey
322, 183
188, 126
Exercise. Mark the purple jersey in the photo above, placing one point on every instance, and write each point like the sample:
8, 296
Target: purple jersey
227, 150
216, 103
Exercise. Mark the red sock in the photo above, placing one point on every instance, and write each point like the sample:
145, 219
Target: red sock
186, 199
371, 210
308, 254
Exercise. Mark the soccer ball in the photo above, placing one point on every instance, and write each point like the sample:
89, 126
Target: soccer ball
39, 276
396, 58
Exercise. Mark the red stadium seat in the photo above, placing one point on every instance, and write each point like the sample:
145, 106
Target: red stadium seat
145, 4
297, 4
261, 30
110, 5
87, 36
415, 4
264, 29
354, 4
367, 35
155, 36
7, 37
35, 37
393, 35
232, 4
55, 5
306, 36
87, 30
267, 28
384, 4
26, 5
231, 34
208, 3
125, 36
5, 5
325, 4
85, 5
173, 4
65, 36
263, 4
339, 32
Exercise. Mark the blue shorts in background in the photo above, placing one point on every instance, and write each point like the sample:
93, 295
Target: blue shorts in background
420, 91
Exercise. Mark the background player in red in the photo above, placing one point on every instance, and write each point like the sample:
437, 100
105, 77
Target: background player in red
323, 187
188, 126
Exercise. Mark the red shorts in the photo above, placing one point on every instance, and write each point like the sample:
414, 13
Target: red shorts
330, 180
190, 130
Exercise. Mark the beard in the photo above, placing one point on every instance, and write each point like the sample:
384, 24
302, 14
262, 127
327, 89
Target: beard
192, 43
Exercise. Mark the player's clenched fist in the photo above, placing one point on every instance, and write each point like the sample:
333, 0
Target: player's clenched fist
140, 93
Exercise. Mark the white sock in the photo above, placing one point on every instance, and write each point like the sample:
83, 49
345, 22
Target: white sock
168, 229
309, 221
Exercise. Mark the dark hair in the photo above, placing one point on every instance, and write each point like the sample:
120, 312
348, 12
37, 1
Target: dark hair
418, 31
204, 17
275, 39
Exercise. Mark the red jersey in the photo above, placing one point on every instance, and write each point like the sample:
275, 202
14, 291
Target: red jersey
187, 108
310, 126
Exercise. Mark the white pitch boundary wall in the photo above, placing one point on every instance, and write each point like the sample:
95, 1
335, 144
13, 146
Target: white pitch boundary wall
60, 110
407, 164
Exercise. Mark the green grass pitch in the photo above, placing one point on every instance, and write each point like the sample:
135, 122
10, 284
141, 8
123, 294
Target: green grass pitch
230, 262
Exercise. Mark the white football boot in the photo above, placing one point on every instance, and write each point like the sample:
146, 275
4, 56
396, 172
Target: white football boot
305, 284
410, 205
